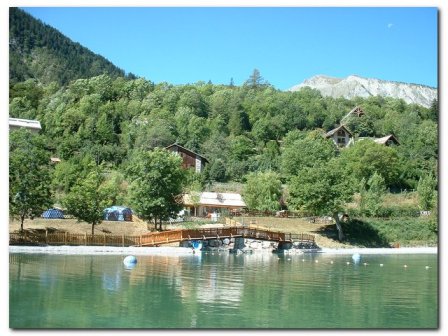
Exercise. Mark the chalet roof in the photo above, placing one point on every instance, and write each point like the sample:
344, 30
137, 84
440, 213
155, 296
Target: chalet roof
386, 138
333, 131
186, 150
31, 124
357, 110
216, 199
383, 140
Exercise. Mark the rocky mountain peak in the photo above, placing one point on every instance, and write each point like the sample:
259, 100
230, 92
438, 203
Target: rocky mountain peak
357, 86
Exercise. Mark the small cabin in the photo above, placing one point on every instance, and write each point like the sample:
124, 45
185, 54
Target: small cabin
206, 203
341, 136
388, 140
190, 159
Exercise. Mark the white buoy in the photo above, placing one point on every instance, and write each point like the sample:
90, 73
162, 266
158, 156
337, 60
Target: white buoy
331, 262
317, 261
405, 266
365, 264
427, 267
348, 262
130, 261
381, 265
356, 258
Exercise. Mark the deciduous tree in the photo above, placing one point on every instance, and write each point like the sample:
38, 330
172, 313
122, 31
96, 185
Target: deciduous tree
156, 183
263, 191
29, 176
372, 193
88, 198
426, 192
322, 190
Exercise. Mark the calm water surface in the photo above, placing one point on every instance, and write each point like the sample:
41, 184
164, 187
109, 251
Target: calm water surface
223, 291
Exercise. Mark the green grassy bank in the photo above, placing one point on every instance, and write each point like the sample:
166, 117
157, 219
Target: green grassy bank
403, 231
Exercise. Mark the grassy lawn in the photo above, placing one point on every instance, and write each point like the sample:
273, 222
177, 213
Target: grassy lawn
364, 232
375, 232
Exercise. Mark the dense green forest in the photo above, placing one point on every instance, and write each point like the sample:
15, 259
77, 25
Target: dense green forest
41, 52
238, 129
90, 111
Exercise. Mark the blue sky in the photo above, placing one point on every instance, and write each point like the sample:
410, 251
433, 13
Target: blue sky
287, 45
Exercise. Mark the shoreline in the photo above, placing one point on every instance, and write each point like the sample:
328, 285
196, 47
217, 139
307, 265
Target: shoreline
174, 250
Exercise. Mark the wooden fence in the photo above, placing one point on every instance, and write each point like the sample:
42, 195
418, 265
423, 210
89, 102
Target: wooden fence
65, 238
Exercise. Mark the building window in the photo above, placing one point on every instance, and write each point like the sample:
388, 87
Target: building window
341, 138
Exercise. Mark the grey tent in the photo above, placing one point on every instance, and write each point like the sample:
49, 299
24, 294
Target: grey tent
53, 214
118, 213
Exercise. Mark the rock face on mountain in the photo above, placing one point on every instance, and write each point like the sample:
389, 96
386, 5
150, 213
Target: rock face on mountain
355, 86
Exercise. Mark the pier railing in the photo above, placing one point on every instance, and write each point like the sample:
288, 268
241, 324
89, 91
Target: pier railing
153, 238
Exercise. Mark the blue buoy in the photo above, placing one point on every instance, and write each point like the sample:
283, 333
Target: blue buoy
196, 245
130, 261
356, 258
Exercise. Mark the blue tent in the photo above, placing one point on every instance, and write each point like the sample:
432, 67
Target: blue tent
118, 213
53, 214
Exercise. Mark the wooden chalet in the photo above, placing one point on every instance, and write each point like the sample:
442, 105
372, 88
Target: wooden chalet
388, 140
190, 159
355, 112
341, 136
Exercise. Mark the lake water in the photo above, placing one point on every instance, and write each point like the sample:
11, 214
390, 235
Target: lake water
259, 290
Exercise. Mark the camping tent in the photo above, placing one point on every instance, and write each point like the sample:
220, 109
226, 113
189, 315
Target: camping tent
118, 213
53, 213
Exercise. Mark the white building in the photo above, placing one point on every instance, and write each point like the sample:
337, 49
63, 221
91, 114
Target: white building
206, 203
33, 125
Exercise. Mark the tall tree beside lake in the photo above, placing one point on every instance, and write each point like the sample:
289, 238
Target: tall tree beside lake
366, 157
426, 192
156, 181
299, 153
263, 191
322, 190
88, 198
29, 176
372, 194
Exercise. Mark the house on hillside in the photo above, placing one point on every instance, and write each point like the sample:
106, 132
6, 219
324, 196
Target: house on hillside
205, 203
32, 125
341, 136
355, 112
388, 140
190, 159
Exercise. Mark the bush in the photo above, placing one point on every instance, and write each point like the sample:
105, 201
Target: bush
398, 211
379, 232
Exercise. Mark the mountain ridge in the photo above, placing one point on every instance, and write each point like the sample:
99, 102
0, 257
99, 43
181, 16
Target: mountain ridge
357, 86
39, 51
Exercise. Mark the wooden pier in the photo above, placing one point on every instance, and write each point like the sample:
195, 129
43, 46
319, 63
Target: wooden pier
156, 238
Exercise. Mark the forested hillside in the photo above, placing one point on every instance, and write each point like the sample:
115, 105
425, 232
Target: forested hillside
239, 129
39, 51
104, 127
